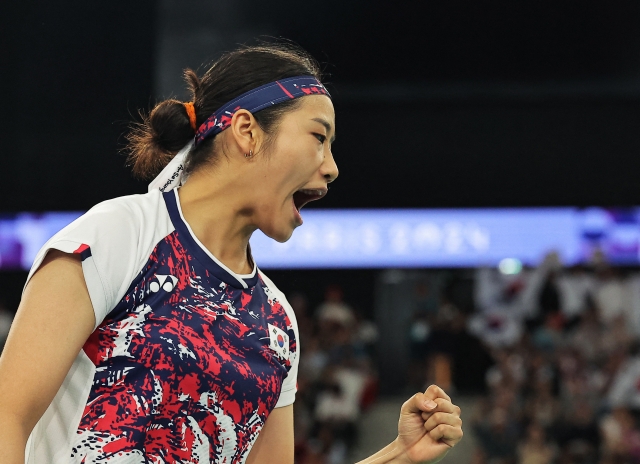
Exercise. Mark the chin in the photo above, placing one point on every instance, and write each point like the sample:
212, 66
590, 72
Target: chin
279, 234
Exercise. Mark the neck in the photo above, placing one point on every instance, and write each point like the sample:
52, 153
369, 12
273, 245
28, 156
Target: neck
220, 217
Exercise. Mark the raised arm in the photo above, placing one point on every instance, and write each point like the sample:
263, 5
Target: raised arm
54, 320
428, 428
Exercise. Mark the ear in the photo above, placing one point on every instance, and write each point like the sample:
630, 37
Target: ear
245, 131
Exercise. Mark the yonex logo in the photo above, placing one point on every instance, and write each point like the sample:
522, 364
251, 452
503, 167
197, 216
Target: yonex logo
166, 282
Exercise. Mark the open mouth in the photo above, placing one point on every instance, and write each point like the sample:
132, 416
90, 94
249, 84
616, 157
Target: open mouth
304, 196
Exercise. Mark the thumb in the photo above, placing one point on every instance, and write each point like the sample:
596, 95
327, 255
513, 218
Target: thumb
418, 403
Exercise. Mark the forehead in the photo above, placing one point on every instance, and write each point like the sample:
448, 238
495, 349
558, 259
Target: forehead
317, 106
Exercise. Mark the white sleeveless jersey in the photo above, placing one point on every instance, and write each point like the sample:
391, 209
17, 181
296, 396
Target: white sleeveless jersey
187, 359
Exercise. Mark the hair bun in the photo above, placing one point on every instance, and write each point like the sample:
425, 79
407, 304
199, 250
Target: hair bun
155, 141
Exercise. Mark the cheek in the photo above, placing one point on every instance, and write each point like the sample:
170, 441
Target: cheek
299, 153
307, 162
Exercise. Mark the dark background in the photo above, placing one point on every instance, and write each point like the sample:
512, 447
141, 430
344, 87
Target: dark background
454, 103
439, 104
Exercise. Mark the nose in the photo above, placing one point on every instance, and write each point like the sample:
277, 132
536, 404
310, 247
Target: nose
329, 168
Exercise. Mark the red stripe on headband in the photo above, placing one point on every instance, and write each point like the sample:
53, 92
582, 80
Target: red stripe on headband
257, 99
285, 90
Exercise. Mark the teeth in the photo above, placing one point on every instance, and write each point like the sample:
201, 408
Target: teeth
312, 191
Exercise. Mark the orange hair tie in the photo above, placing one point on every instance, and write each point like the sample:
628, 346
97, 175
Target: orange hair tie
191, 112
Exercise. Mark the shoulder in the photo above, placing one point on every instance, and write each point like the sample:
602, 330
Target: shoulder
133, 209
114, 239
129, 220
273, 291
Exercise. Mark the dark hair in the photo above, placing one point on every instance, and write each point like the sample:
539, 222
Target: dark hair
155, 141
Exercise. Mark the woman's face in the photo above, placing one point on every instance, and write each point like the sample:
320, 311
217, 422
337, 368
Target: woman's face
298, 167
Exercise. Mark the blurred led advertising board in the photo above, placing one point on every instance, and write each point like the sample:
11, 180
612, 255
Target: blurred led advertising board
402, 237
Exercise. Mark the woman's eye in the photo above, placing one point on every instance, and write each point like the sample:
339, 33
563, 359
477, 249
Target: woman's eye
320, 137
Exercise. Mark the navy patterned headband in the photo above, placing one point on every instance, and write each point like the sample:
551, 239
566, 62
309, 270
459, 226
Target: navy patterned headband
258, 99
262, 97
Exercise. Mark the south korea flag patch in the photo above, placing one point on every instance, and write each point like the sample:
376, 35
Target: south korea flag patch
279, 341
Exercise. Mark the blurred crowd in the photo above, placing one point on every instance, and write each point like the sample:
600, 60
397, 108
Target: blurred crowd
550, 354
565, 382
337, 380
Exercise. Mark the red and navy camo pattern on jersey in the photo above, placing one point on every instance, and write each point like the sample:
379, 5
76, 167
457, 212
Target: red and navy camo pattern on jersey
184, 372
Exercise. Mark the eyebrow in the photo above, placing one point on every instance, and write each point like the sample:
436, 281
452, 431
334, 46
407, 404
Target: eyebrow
326, 125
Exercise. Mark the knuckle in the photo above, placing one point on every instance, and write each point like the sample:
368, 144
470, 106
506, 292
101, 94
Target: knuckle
413, 399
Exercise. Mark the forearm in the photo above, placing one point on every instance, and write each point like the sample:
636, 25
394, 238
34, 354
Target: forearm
393, 453
13, 440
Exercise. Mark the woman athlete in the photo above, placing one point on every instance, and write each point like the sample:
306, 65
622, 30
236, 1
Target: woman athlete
146, 333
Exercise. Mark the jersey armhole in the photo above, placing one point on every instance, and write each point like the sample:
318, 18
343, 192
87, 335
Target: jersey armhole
92, 278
